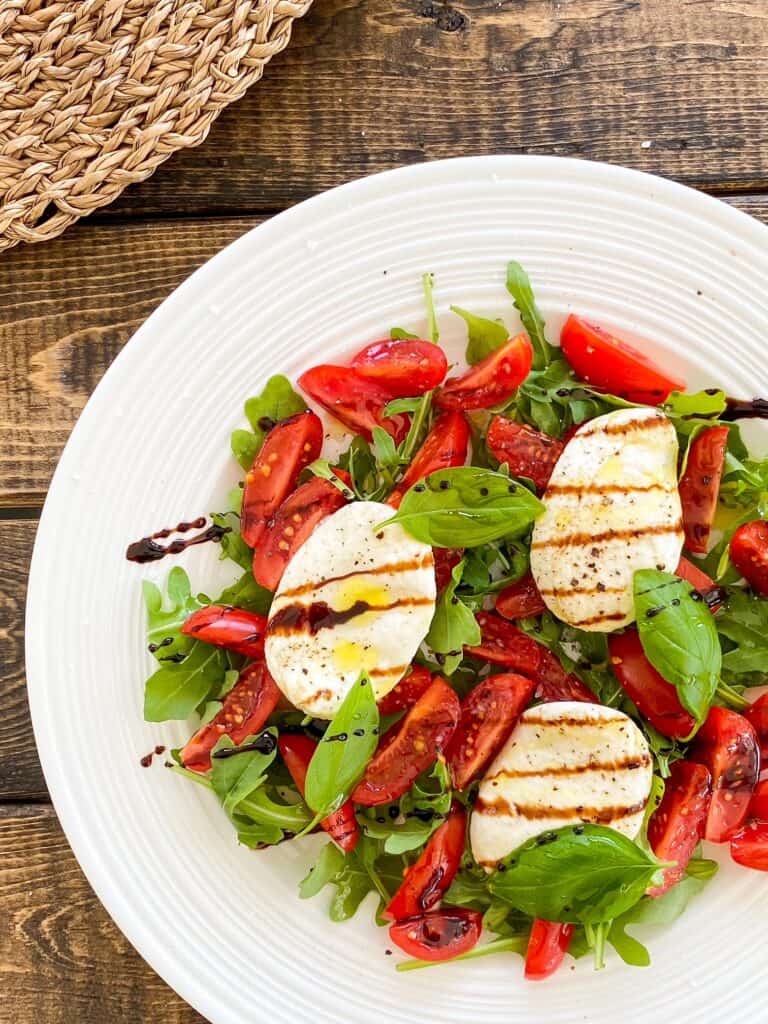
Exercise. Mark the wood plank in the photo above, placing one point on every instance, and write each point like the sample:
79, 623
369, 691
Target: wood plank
66, 309
61, 957
675, 87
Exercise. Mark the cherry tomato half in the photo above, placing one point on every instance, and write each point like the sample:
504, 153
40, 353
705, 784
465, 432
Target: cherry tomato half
654, 697
749, 553
246, 708
677, 824
224, 626
757, 715
502, 643
405, 694
291, 525
749, 847
492, 380
547, 945
354, 400
413, 746
554, 683
700, 486
604, 361
446, 445
297, 750
520, 600
429, 877
407, 367
758, 807
489, 712
288, 447
526, 451
727, 745
446, 560
438, 935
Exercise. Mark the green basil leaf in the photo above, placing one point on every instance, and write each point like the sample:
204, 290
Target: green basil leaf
342, 754
453, 625
519, 287
466, 506
485, 336
176, 689
276, 402
587, 874
679, 637
166, 617
236, 777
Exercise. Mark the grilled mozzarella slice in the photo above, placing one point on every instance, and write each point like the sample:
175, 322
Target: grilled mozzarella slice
564, 763
354, 597
611, 507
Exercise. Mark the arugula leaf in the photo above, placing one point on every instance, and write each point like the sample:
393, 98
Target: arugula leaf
400, 405
176, 689
327, 867
587, 874
694, 405
420, 812
553, 399
655, 911
237, 777
428, 284
385, 451
453, 625
323, 469
165, 618
743, 621
276, 402
360, 462
466, 506
485, 336
345, 749
246, 593
745, 484
679, 637
515, 944
354, 876
400, 334
233, 546
519, 287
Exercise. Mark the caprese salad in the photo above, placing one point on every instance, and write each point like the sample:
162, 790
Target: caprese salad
498, 644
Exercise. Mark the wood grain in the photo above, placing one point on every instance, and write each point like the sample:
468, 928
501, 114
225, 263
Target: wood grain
672, 86
62, 960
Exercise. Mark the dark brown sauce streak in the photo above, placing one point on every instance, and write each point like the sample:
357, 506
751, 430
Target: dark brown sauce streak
596, 815
406, 566
742, 408
583, 539
147, 549
311, 618
625, 764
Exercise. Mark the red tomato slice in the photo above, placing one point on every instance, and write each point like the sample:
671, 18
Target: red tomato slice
604, 361
554, 683
354, 400
758, 808
297, 750
246, 708
526, 451
405, 694
504, 644
224, 626
700, 486
291, 525
547, 945
757, 715
446, 445
520, 600
406, 367
288, 448
429, 877
749, 553
419, 738
438, 935
677, 825
446, 560
489, 713
492, 380
654, 697
727, 745
749, 847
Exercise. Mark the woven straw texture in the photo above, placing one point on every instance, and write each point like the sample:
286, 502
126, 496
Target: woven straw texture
94, 95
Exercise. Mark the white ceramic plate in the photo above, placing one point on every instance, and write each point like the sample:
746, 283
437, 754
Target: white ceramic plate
221, 924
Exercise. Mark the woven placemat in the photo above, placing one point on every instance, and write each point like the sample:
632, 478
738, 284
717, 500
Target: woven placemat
95, 94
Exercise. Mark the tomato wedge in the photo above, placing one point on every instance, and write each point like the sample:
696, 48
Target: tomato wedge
289, 446
654, 697
526, 451
749, 553
405, 694
727, 745
749, 847
407, 367
758, 807
354, 400
604, 361
291, 525
700, 486
446, 560
429, 877
554, 683
547, 945
492, 380
489, 712
757, 715
502, 643
224, 626
438, 935
246, 708
677, 824
520, 600
419, 738
297, 750
446, 445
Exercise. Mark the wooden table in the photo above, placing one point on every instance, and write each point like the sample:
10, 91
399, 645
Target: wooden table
676, 87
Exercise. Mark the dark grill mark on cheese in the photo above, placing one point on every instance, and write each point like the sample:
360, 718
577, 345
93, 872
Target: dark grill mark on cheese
646, 423
500, 807
311, 618
408, 565
625, 764
563, 720
599, 588
602, 617
600, 489
588, 539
